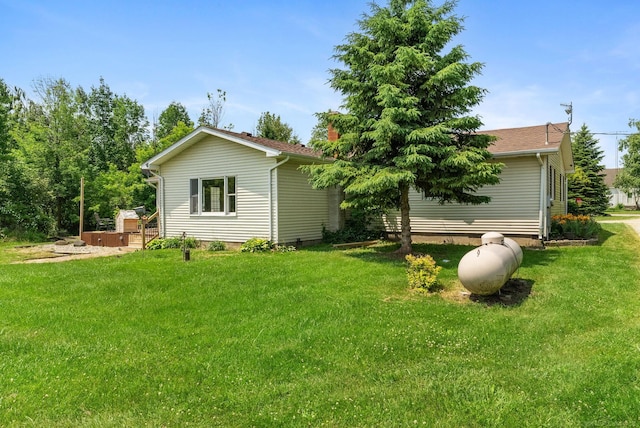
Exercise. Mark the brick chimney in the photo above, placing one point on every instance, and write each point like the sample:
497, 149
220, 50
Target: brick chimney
332, 134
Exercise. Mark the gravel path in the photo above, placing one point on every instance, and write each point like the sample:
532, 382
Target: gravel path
53, 253
633, 223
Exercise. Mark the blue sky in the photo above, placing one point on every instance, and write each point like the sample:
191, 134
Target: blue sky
275, 56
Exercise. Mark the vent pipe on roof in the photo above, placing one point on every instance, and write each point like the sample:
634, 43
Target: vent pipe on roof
546, 142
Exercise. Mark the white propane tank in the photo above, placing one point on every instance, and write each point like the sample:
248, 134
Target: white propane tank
485, 269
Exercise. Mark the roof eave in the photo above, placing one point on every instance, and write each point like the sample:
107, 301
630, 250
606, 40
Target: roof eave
531, 152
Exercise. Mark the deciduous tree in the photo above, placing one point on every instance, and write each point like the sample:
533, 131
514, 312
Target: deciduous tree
117, 126
407, 121
213, 113
170, 117
629, 179
271, 126
53, 148
21, 204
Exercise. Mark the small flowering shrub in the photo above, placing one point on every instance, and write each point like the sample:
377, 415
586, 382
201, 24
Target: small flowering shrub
571, 226
422, 273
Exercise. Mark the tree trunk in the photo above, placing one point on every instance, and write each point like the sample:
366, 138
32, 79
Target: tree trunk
405, 225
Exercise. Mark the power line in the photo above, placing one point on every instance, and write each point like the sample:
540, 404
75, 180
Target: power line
610, 133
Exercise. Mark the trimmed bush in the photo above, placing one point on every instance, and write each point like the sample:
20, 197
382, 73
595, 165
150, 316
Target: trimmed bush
422, 273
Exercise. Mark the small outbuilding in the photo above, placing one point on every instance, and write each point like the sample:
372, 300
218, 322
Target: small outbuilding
127, 221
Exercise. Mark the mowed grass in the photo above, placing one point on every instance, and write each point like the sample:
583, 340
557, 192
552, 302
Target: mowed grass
319, 338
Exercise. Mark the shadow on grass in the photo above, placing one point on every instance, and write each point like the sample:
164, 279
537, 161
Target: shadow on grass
603, 235
513, 293
446, 255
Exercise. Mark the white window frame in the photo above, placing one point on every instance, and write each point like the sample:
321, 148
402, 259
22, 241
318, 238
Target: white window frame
196, 200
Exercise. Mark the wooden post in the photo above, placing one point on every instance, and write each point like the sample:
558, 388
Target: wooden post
81, 207
144, 231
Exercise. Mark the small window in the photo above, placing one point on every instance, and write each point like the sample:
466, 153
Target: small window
213, 195
552, 182
193, 200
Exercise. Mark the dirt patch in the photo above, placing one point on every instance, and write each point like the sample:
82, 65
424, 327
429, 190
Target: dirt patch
513, 293
54, 253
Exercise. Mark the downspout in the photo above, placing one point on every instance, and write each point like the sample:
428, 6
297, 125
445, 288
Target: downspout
282, 162
543, 186
160, 203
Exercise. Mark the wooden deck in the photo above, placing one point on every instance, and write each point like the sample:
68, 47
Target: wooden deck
106, 239
117, 239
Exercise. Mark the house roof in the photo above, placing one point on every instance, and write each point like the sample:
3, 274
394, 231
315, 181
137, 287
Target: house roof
610, 175
530, 139
271, 148
285, 148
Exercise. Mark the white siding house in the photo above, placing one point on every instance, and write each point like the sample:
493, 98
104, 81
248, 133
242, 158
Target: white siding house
617, 196
220, 185
532, 188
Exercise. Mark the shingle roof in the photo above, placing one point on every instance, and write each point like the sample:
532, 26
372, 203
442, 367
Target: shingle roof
285, 148
509, 140
610, 175
527, 139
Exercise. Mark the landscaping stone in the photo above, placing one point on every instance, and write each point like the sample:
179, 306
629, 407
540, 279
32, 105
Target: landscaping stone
79, 243
570, 242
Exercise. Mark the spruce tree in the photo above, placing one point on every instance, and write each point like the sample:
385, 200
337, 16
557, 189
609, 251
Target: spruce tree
407, 122
587, 192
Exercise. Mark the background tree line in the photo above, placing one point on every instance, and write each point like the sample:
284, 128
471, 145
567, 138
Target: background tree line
50, 141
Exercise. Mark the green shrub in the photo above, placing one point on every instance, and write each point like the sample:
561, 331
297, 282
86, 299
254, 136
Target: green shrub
256, 245
284, 248
358, 227
156, 244
422, 273
216, 246
173, 242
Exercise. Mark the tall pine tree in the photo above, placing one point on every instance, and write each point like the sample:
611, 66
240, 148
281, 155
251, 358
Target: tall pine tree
587, 191
407, 123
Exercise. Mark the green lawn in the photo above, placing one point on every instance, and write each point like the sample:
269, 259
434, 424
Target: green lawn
319, 338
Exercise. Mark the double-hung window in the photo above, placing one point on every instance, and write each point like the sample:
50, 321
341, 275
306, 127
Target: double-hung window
216, 195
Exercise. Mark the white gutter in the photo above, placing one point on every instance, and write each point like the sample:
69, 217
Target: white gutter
543, 186
271, 195
160, 203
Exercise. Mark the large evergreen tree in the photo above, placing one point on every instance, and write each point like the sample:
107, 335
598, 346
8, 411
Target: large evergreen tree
629, 178
407, 122
586, 184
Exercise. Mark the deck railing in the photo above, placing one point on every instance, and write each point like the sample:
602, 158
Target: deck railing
147, 230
